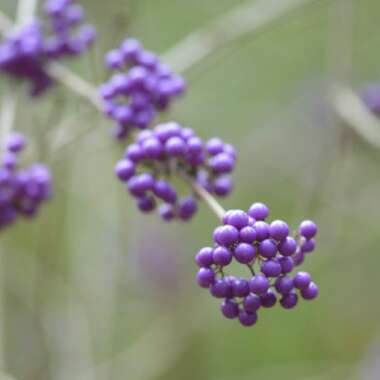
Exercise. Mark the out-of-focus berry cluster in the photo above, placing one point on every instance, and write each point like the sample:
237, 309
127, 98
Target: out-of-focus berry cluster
22, 191
25, 51
142, 87
269, 253
168, 151
371, 97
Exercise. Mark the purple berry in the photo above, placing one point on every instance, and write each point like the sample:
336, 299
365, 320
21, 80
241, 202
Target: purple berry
262, 230
222, 256
284, 284
125, 169
288, 246
268, 299
240, 287
236, 218
302, 280
226, 235
310, 292
308, 246
247, 319
259, 284
247, 235
229, 309
288, 301
258, 211
251, 303
267, 249
204, 258
271, 268
278, 230
205, 277
244, 253
308, 229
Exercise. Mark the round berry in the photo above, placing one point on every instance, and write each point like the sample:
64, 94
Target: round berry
247, 319
244, 253
226, 235
229, 309
205, 277
308, 229
262, 230
288, 301
251, 303
236, 218
271, 268
222, 256
258, 211
308, 246
247, 234
240, 287
302, 280
288, 246
278, 230
284, 284
310, 292
125, 169
268, 299
220, 289
259, 284
204, 258
286, 264
267, 249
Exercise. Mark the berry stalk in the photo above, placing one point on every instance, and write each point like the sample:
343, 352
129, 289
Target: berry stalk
205, 196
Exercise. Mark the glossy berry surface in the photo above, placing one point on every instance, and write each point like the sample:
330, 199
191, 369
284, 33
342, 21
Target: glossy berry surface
268, 252
158, 156
22, 190
26, 51
142, 87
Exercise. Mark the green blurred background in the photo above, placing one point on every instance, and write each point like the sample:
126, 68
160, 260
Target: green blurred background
91, 289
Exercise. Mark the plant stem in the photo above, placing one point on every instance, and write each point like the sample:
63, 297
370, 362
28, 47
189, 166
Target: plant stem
249, 17
356, 115
75, 83
203, 194
25, 11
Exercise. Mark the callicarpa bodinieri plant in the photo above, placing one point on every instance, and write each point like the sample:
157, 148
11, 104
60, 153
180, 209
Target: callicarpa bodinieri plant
158, 157
26, 51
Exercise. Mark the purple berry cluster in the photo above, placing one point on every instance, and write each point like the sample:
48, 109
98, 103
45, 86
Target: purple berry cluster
371, 97
25, 52
168, 151
69, 37
22, 191
142, 86
269, 253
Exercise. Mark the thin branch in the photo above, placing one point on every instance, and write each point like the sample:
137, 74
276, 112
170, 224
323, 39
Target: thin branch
205, 196
249, 17
356, 115
8, 113
75, 83
25, 11
5, 22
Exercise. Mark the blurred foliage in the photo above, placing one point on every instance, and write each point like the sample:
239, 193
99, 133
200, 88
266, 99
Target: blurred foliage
93, 290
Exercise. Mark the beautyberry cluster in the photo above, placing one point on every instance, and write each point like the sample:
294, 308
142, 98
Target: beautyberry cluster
269, 253
142, 87
371, 97
25, 52
22, 191
168, 151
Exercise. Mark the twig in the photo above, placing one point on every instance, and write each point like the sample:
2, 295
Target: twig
8, 113
206, 197
25, 11
249, 17
356, 115
75, 83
